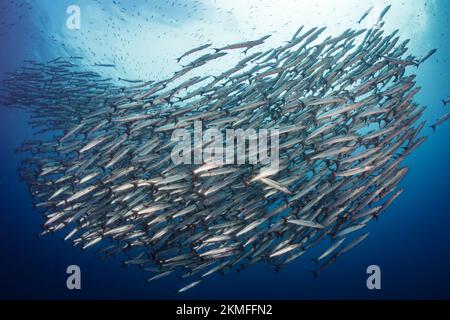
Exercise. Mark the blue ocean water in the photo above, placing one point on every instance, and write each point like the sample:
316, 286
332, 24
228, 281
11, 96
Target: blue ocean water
410, 242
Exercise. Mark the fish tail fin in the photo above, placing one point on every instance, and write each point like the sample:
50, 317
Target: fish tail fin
178, 60
365, 62
433, 127
277, 268
337, 163
315, 273
216, 50
168, 100
316, 260
444, 102
333, 176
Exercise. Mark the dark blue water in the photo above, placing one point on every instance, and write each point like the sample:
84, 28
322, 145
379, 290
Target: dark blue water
410, 242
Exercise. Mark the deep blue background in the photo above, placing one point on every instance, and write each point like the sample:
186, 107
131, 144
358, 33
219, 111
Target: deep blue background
410, 242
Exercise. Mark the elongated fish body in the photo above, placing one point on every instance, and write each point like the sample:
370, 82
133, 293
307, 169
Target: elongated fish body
309, 224
365, 15
440, 121
189, 52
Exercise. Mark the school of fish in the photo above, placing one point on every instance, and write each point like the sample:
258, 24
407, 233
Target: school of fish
102, 171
